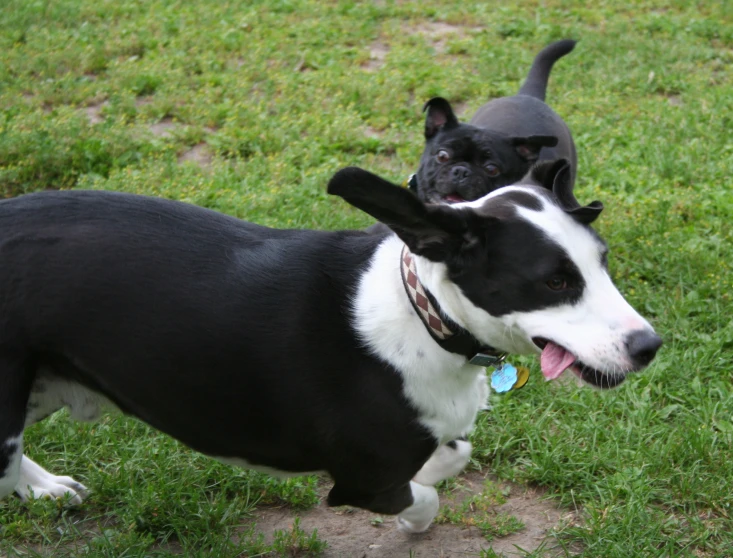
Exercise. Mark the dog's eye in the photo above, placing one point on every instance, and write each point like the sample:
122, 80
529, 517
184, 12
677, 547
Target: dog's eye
443, 156
492, 170
557, 283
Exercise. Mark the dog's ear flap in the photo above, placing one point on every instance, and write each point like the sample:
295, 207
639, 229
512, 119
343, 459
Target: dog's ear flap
439, 116
529, 147
432, 231
556, 177
544, 173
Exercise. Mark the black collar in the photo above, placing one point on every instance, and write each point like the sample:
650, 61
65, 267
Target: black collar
446, 333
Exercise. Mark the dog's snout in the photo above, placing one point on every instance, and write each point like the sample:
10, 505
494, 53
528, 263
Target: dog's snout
459, 173
643, 345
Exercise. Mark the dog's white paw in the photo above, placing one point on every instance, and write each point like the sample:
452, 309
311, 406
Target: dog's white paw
410, 527
36, 482
418, 517
54, 487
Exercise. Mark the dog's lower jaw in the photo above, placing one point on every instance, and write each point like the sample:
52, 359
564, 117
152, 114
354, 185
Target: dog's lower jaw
596, 378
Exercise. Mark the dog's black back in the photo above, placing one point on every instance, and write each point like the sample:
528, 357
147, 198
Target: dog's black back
188, 340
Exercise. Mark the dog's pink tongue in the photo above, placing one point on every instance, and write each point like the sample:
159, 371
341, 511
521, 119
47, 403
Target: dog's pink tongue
453, 198
554, 360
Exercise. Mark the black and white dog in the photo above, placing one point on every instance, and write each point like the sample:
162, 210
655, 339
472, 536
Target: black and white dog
506, 136
295, 351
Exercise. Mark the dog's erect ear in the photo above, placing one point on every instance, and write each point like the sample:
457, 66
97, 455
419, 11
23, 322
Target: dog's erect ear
432, 231
439, 116
529, 147
555, 176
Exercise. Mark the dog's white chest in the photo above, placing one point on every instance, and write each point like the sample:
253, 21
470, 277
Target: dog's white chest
446, 392
448, 403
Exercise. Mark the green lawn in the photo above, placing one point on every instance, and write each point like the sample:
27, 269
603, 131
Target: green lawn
277, 95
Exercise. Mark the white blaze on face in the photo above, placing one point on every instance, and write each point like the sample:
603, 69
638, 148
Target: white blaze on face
595, 327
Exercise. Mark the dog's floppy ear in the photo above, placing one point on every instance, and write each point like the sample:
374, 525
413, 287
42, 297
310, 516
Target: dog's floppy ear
543, 173
555, 176
439, 115
529, 147
432, 231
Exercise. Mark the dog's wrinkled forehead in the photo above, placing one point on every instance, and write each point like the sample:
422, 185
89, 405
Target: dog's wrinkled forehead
467, 140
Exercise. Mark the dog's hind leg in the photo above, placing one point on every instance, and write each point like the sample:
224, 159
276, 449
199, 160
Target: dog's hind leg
15, 386
11, 453
23, 401
446, 462
48, 394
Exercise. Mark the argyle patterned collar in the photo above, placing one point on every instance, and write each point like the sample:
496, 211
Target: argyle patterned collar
448, 334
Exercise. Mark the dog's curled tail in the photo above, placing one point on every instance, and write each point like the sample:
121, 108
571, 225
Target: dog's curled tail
539, 73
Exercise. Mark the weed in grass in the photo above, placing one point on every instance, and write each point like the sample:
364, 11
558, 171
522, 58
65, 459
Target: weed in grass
297, 541
478, 511
376, 521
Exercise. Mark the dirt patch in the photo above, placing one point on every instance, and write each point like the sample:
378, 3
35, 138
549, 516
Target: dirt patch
377, 54
94, 112
163, 129
361, 534
199, 154
143, 100
373, 133
438, 33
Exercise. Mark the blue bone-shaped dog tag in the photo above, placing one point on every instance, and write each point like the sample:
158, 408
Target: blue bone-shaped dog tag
503, 378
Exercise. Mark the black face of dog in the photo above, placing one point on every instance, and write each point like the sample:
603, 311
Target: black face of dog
463, 163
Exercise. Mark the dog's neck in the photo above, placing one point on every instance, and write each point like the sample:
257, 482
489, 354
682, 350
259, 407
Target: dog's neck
386, 320
391, 330
401, 291
446, 333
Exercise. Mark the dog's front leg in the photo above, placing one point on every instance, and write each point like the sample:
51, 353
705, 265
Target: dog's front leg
417, 517
446, 462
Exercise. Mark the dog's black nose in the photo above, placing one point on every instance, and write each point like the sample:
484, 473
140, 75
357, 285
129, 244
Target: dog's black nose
460, 173
642, 345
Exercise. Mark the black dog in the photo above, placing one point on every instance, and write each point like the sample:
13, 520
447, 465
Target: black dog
464, 162
297, 350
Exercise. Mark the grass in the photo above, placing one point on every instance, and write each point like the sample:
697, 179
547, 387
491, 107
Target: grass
478, 511
282, 93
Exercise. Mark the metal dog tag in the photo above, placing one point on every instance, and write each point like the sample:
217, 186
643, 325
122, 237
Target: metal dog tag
503, 378
482, 359
507, 377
